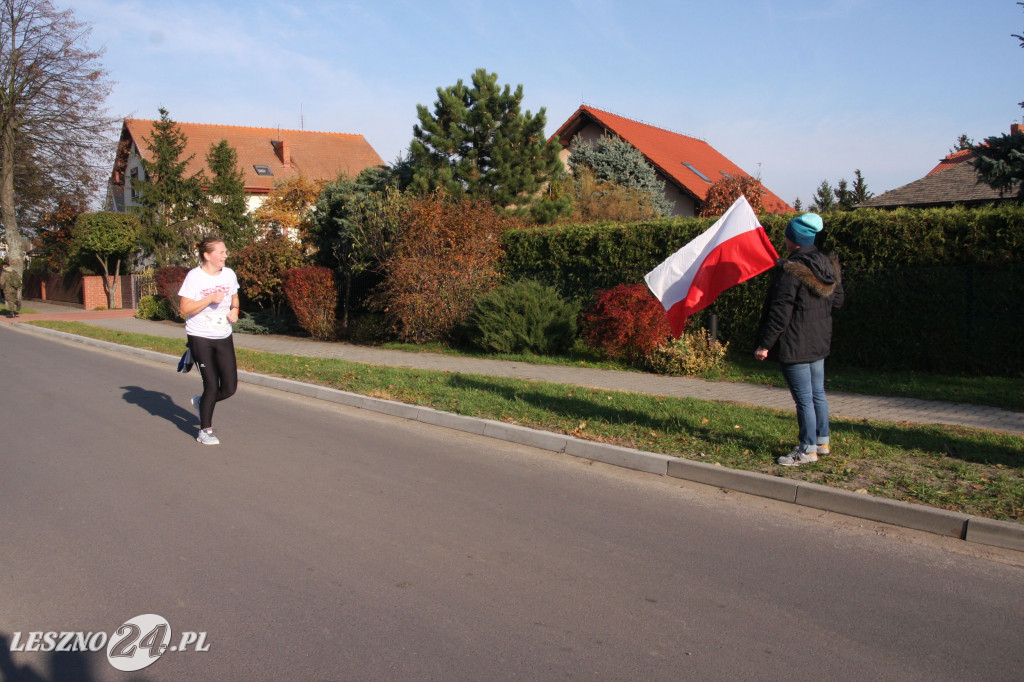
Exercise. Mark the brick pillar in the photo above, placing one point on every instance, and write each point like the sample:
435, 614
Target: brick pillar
94, 295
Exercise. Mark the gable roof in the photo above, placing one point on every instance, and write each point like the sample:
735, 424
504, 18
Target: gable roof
287, 153
668, 152
952, 181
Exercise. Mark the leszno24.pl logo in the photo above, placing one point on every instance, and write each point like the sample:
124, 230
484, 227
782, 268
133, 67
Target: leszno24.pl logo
133, 646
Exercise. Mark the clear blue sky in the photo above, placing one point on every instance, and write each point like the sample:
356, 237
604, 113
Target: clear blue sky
798, 91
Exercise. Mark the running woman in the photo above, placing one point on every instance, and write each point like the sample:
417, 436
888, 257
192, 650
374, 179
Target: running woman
209, 302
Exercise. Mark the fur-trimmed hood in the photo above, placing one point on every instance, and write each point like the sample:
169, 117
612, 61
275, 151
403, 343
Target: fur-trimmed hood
819, 273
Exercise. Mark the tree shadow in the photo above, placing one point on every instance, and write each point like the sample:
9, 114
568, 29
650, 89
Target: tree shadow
162, 405
1006, 451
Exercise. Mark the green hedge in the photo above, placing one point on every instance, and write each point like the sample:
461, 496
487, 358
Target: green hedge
928, 289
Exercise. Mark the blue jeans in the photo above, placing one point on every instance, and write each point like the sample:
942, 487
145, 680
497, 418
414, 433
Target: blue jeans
806, 381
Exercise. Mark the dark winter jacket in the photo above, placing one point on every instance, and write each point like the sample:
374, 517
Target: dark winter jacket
796, 324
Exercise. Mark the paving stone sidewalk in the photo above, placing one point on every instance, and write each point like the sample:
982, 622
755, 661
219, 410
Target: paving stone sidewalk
843, 405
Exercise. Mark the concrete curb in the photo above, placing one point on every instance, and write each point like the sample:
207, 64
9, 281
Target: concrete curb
974, 529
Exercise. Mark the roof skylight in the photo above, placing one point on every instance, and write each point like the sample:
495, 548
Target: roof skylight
262, 170
697, 172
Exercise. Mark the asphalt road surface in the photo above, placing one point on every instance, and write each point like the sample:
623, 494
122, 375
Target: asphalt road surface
326, 543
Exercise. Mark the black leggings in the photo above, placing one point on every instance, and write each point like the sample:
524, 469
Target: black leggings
215, 359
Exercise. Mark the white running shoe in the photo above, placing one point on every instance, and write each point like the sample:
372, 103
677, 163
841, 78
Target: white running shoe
797, 457
206, 437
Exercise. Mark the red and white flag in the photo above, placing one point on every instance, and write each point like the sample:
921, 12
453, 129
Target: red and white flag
731, 251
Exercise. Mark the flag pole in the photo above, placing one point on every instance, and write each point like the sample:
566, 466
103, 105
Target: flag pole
714, 327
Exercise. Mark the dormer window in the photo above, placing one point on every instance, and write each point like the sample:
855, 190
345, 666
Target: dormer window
262, 170
697, 172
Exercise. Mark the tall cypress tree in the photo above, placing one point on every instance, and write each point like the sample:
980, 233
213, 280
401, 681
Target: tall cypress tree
170, 204
478, 143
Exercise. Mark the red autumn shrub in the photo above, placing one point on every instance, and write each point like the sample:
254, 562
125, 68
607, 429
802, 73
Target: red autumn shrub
724, 193
313, 297
444, 260
625, 323
260, 268
168, 283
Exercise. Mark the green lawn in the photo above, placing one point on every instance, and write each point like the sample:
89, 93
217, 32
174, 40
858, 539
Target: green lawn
972, 471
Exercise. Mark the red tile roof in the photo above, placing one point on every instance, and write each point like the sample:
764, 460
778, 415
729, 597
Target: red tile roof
320, 156
667, 152
951, 160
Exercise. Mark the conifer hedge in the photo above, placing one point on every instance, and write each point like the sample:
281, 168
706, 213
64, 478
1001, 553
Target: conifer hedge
929, 289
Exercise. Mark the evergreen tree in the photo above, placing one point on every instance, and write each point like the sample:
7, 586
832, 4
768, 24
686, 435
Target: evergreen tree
354, 227
798, 205
860, 188
613, 160
170, 203
824, 198
226, 208
963, 142
999, 161
478, 144
844, 195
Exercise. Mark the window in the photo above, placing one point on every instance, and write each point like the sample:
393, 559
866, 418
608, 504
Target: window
134, 183
263, 170
697, 172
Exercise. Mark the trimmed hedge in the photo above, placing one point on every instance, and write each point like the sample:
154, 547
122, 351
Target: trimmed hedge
927, 289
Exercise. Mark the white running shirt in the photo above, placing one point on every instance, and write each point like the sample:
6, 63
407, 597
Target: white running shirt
212, 321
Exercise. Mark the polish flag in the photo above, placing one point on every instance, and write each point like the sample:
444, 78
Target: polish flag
731, 251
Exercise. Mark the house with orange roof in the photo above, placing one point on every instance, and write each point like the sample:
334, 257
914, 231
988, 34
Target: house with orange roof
687, 165
265, 156
953, 181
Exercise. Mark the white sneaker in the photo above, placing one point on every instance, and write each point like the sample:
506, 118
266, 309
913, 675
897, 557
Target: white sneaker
206, 437
195, 404
797, 457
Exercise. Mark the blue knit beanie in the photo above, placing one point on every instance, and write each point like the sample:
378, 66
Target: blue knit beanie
801, 230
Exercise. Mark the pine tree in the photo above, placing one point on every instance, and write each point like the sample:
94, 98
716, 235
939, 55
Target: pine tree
860, 188
963, 142
170, 204
226, 207
999, 161
824, 198
478, 144
844, 195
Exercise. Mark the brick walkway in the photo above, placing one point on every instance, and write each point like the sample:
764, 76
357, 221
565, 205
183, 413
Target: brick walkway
844, 405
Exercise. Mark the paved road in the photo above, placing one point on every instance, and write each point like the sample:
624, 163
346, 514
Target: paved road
325, 543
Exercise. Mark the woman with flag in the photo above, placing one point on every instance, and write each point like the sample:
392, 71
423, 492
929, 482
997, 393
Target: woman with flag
796, 330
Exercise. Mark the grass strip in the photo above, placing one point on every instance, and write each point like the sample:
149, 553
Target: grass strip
1003, 392
966, 470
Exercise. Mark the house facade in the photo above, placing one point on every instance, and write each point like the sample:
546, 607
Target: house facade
265, 157
953, 181
687, 165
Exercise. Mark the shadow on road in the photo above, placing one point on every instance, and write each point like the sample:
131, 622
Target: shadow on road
62, 666
162, 405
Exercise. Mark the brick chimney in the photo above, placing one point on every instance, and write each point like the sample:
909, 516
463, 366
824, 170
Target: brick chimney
284, 153
1016, 128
